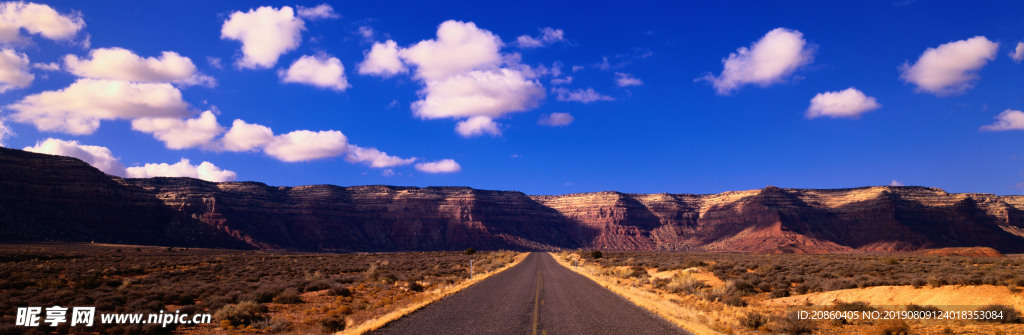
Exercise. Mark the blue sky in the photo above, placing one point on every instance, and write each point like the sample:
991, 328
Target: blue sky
936, 98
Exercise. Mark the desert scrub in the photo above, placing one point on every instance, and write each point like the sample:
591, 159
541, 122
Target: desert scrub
243, 313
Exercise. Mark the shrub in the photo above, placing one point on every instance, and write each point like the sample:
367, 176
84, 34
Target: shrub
333, 323
340, 291
243, 313
894, 327
780, 293
596, 254
288, 296
753, 320
1010, 314
469, 251
792, 325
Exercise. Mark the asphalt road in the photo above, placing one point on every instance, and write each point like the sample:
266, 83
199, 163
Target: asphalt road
537, 296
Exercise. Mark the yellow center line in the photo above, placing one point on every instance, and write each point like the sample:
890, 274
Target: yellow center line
536, 302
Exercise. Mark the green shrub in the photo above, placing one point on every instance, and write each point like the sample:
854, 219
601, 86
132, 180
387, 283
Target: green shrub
288, 296
596, 254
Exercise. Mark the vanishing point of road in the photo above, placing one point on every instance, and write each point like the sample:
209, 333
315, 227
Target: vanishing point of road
537, 296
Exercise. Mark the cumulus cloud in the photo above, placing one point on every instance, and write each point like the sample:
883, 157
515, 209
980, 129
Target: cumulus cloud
366, 32
464, 76
14, 72
556, 119
459, 47
36, 19
181, 134
205, 171
626, 79
478, 93
848, 103
476, 126
320, 12
547, 36
441, 166
579, 95
97, 156
382, 60
1018, 53
246, 137
320, 70
305, 145
266, 33
950, 68
769, 60
1007, 120
375, 158
78, 108
123, 64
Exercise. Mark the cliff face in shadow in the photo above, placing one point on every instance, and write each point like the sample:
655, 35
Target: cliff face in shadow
52, 198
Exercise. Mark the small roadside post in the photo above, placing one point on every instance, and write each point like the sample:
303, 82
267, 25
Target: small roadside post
470, 269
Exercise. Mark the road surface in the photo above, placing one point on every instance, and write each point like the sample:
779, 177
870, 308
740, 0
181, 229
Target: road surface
537, 296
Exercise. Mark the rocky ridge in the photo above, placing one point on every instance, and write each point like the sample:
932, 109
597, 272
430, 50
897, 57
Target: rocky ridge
52, 198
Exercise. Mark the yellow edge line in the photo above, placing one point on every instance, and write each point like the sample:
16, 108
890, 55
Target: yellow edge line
639, 298
433, 296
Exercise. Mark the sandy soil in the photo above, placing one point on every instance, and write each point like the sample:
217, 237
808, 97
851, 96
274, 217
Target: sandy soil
903, 295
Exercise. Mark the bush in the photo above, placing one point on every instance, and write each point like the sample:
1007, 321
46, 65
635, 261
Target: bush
753, 320
288, 296
895, 327
1010, 315
596, 254
470, 251
333, 323
243, 313
792, 325
340, 291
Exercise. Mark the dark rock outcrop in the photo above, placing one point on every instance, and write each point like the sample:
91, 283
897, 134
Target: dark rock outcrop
52, 198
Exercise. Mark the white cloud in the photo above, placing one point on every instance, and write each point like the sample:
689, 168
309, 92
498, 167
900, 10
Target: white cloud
1018, 53
382, 60
579, 95
896, 183
476, 126
52, 66
375, 158
769, 60
78, 108
5, 132
561, 81
181, 134
320, 12
547, 36
214, 62
626, 79
441, 166
460, 47
246, 136
36, 19
950, 68
205, 171
1007, 120
320, 70
97, 156
266, 33
556, 119
366, 32
123, 64
305, 145
848, 103
14, 71
478, 93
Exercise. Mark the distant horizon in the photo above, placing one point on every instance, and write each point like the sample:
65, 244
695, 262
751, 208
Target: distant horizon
540, 97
